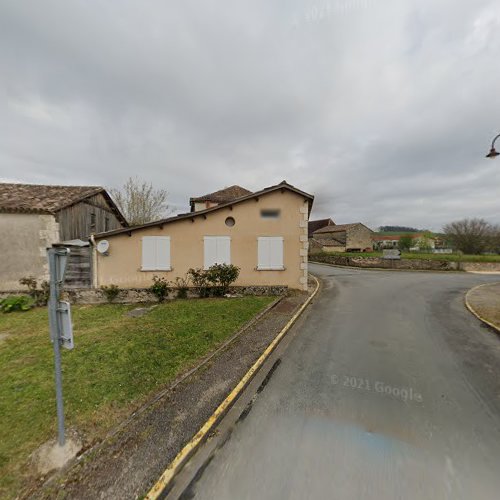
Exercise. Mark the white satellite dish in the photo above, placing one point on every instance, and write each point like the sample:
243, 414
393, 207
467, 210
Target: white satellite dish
103, 246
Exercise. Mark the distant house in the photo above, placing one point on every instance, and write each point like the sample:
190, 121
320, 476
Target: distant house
420, 241
217, 198
354, 237
33, 217
263, 233
314, 225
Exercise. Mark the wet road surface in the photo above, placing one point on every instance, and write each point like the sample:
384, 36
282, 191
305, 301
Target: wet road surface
388, 389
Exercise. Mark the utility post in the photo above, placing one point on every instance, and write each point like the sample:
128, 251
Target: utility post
61, 331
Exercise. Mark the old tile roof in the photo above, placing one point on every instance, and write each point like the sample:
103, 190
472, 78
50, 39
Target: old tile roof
395, 237
314, 225
337, 228
340, 239
46, 199
41, 198
223, 195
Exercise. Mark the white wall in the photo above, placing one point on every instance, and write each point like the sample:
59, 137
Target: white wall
23, 242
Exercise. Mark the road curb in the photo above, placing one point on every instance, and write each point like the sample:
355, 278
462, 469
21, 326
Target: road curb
468, 305
189, 449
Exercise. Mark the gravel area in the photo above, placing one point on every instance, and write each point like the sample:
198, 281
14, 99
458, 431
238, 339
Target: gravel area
131, 461
485, 301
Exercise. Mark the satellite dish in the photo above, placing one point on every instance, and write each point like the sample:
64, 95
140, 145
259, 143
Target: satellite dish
103, 246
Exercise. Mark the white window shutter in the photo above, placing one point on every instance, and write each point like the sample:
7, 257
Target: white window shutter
223, 250
163, 253
276, 253
148, 253
210, 251
217, 250
270, 253
263, 253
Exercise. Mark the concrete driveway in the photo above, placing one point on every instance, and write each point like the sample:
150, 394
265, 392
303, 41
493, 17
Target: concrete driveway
388, 389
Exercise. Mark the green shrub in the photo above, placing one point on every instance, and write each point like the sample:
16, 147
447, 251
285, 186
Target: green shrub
199, 278
220, 276
214, 280
40, 296
16, 303
160, 288
111, 292
182, 287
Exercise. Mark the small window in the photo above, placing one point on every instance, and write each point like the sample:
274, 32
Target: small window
230, 222
106, 224
217, 250
156, 253
270, 213
270, 253
92, 222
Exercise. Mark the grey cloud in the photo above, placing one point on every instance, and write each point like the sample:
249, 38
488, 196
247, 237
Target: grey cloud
383, 110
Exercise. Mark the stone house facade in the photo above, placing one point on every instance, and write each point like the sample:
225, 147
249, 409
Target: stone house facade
355, 237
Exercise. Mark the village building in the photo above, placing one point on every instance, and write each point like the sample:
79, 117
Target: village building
264, 233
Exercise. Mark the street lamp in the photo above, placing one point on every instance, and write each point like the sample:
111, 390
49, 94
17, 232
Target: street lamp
493, 152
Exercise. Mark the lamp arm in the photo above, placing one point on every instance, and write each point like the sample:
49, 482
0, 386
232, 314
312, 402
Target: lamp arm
494, 140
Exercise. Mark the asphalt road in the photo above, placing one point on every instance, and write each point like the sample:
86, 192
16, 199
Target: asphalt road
388, 389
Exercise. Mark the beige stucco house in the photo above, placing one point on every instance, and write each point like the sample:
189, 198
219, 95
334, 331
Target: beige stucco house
33, 217
354, 237
263, 233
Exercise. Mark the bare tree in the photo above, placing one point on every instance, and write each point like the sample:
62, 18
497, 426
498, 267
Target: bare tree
471, 236
140, 202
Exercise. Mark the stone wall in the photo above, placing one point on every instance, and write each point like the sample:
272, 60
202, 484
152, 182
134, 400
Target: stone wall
359, 237
483, 267
143, 295
379, 263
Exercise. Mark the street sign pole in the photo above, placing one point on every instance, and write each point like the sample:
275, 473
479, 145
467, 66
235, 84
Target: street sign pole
57, 262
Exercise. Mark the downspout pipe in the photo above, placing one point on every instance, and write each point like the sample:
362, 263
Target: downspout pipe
93, 267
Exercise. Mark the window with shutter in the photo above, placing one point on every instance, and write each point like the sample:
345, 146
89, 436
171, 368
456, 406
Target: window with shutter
217, 250
156, 253
270, 253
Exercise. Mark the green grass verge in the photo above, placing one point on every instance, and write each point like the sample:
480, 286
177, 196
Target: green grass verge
429, 256
117, 364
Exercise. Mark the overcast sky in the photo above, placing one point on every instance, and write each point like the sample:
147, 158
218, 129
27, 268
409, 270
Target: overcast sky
383, 109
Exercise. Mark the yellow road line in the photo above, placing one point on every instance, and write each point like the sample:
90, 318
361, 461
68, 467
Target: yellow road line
474, 312
198, 438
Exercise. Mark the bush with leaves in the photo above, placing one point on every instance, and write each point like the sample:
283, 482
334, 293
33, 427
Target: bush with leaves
216, 279
111, 292
220, 276
199, 278
182, 287
39, 295
16, 303
160, 288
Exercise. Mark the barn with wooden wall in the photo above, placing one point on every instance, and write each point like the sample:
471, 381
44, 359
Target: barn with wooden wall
34, 217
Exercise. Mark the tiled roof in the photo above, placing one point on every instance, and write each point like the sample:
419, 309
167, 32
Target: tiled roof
337, 228
395, 237
223, 195
45, 199
314, 225
340, 239
41, 198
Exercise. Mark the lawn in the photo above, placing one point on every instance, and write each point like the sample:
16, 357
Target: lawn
430, 256
117, 364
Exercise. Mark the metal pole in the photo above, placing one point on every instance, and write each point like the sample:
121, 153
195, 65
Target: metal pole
56, 340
